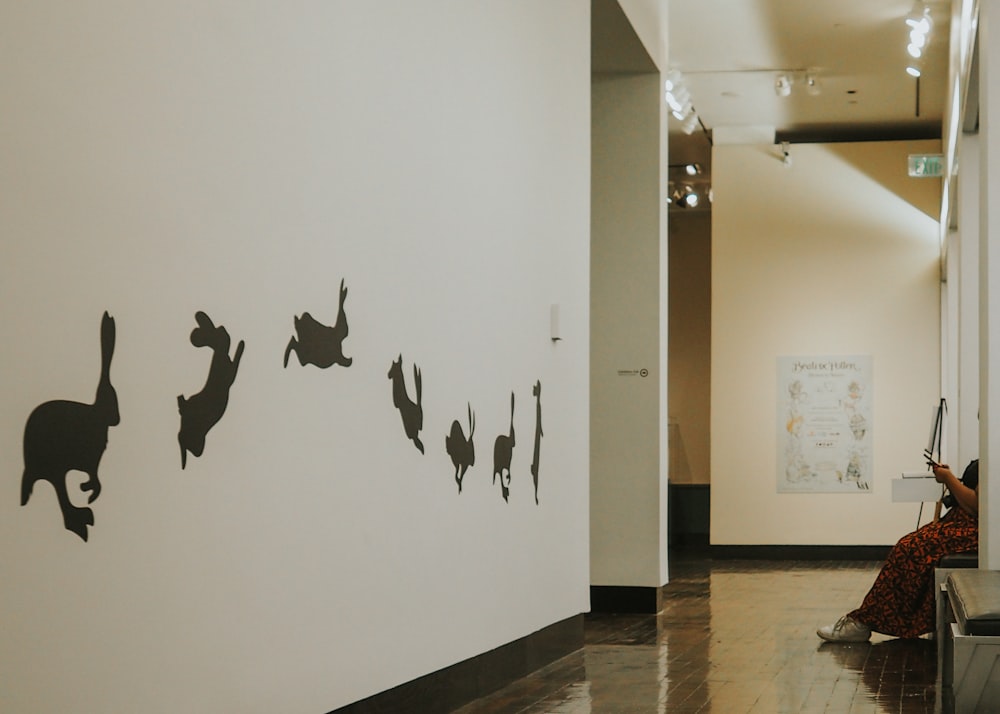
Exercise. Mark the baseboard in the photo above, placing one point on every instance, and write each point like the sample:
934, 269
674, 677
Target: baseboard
453, 687
799, 552
625, 599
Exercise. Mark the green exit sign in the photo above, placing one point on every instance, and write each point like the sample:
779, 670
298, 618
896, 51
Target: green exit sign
926, 165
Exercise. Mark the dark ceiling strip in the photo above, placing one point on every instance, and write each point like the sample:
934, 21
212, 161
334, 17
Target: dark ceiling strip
853, 134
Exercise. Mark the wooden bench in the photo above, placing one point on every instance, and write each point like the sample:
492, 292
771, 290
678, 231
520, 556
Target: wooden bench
971, 666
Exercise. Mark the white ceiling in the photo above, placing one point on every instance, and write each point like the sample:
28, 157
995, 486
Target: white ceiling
730, 53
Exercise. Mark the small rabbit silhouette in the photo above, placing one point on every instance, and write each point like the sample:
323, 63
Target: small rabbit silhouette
461, 450
411, 413
503, 450
536, 391
201, 411
62, 436
317, 343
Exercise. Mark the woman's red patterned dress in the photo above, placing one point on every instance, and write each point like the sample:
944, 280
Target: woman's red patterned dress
901, 601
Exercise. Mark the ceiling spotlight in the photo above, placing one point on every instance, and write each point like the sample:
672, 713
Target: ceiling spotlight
690, 124
812, 85
685, 197
692, 169
679, 99
688, 198
673, 80
782, 85
919, 19
919, 22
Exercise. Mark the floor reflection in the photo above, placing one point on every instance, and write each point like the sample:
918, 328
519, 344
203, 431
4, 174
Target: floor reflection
733, 636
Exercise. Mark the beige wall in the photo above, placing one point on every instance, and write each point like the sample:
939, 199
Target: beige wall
836, 254
690, 345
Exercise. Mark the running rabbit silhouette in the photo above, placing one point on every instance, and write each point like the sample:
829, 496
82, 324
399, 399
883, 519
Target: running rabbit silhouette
201, 411
320, 344
62, 436
503, 451
461, 450
411, 413
536, 391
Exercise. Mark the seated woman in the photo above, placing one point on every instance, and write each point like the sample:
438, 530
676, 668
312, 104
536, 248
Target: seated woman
901, 601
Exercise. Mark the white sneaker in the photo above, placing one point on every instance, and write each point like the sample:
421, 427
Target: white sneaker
846, 629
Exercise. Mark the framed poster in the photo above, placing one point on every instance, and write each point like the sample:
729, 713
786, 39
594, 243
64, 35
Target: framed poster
824, 424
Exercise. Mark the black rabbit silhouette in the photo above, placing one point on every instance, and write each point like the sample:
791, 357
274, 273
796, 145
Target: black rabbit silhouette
62, 436
461, 450
201, 411
503, 450
536, 391
320, 344
411, 413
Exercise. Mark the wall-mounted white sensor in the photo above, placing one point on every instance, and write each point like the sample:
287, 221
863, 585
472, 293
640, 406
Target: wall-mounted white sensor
786, 157
554, 323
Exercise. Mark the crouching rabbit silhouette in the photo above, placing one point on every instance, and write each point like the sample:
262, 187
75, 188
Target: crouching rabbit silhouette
62, 436
320, 344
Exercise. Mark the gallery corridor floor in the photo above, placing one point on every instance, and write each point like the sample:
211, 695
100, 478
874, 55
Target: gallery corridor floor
733, 636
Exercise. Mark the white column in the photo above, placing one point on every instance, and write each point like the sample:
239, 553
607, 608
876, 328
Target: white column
989, 286
951, 344
965, 413
627, 358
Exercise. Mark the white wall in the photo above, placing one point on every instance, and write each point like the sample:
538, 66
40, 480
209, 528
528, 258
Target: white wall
835, 255
163, 158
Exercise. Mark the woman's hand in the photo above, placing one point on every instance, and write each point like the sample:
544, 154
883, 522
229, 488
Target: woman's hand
942, 473
967, 498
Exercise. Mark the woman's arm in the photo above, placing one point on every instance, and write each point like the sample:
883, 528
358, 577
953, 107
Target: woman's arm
967, 498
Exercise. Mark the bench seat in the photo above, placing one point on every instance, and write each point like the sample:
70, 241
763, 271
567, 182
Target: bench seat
947, 564
974, 596
972, 647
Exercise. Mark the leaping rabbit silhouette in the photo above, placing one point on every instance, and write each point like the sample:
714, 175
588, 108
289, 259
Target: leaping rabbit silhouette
201, 411
62, 436
412, 413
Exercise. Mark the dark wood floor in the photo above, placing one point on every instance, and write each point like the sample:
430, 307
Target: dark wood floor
734, 636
